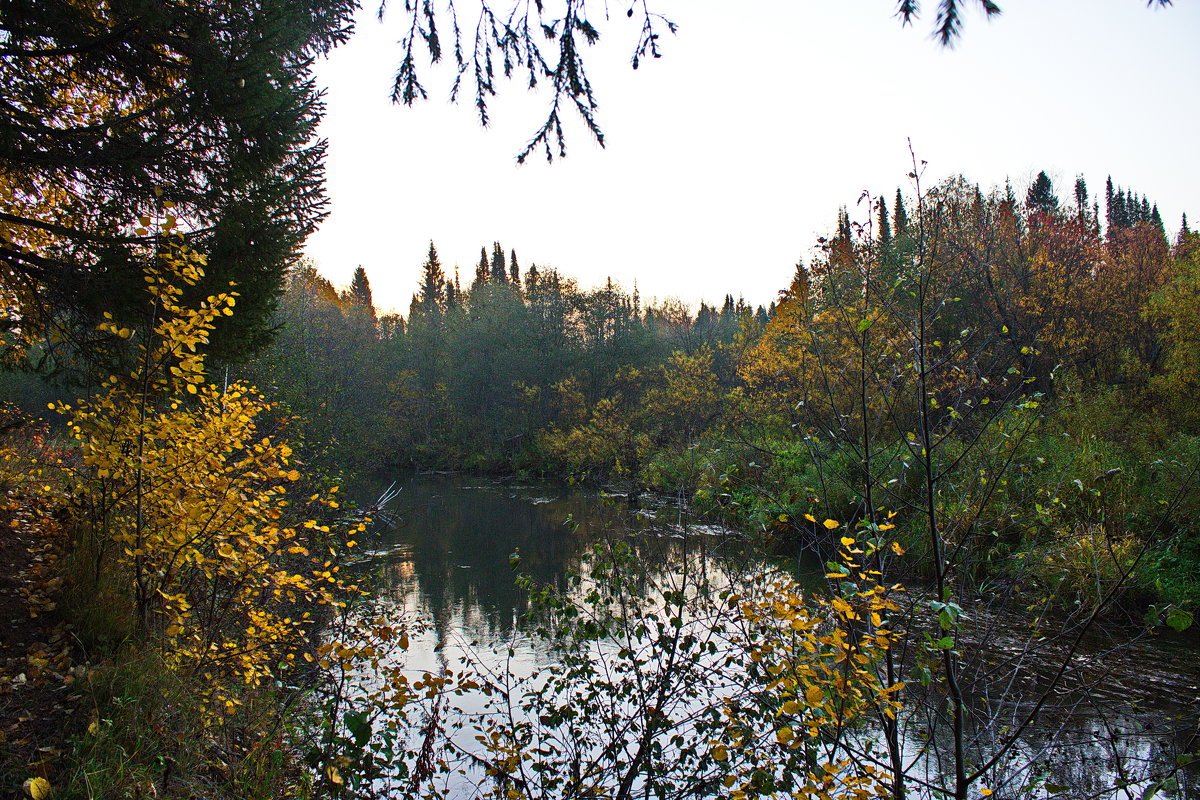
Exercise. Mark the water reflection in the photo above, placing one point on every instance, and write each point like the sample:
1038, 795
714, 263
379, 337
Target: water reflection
448, 555
447, 561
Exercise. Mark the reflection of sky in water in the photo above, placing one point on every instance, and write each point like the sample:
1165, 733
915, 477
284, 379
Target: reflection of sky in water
447, 562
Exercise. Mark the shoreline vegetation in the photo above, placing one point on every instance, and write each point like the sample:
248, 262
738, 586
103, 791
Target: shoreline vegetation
990, 394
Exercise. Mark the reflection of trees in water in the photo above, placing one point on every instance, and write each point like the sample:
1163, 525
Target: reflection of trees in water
1121, 713
1090, 748
451, 562
454, 543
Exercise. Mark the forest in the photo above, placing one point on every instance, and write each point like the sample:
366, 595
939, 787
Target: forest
956, 456
809, 406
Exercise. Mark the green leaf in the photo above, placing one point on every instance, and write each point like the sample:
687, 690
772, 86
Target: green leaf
359, 726
863, 325
1179, 619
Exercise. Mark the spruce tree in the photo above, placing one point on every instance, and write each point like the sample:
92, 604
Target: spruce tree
1120, 212
360, 290
432, 282
844, 225
482, 270
885, 227
1081, 196
202, 111
514, 270
900, 216
499, 270
1041, 198
1110, 207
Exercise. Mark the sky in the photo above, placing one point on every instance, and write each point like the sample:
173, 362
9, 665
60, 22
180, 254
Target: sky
726, 158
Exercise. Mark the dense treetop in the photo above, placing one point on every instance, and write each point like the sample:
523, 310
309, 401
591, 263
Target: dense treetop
129, 118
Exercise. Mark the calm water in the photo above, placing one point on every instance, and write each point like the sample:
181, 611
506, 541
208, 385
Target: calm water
445, 559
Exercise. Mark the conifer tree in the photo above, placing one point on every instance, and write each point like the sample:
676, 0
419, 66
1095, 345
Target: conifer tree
1120, 212
844, 225
1081, 196
1156, 220
1041, 198
499, 270
482, 270
433, 279
900, 215
885, 227
531, 280
204, 112
360, 290
514, 270
1110, 207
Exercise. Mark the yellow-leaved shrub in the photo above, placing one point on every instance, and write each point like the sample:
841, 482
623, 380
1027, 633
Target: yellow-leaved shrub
186, 491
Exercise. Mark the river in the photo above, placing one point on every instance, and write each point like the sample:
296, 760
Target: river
442, 557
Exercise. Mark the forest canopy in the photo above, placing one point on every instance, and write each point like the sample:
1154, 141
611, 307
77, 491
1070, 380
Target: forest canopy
130, 118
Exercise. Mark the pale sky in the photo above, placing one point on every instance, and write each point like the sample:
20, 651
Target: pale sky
727, 157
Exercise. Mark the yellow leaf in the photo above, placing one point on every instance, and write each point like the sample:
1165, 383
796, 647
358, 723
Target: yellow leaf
810, 518
720, 753
986, 792
847, 541
814, 696
897, 549
37, 788
784, 735
831, 524
334, 776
